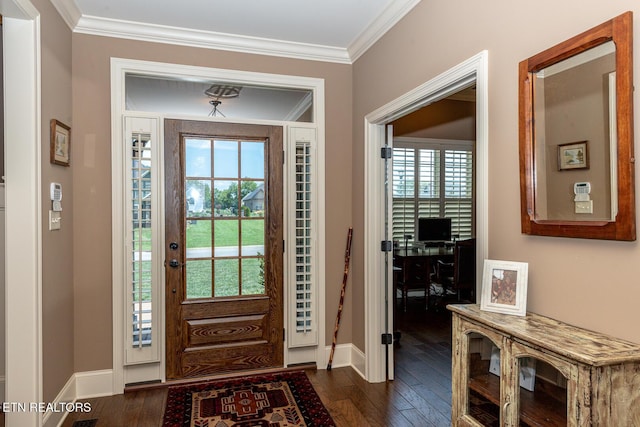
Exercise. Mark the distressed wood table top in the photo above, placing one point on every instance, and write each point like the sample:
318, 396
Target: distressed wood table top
572, 342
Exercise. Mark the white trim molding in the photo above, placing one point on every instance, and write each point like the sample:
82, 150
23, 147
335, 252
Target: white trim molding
119, 68
473, 70
23, 258
346, 355
100, 26
378, 28
81, 385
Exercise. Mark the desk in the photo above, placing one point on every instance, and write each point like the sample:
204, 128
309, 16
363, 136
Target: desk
444, 253
416, 266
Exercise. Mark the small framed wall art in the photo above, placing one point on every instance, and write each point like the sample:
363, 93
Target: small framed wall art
573, 156
60, 143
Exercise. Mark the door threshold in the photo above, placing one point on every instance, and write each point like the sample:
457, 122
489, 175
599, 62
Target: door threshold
222, 376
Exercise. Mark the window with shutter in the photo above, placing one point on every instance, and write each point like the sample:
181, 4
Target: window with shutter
303, 326
432, 179
142, 266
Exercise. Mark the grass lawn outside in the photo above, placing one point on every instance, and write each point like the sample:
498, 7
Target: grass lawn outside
227, 278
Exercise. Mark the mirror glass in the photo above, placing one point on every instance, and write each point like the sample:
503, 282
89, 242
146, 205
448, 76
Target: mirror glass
574, 134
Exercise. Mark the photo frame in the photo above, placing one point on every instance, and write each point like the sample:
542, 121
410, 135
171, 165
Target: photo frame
60, 143
574, 155
504, 287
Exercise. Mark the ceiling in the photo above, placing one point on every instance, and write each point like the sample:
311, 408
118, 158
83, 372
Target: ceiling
327, 30
324, 30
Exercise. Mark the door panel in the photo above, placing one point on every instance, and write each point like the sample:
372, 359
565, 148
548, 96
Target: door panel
223, 188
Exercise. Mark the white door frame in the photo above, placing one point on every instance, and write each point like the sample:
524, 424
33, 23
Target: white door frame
463, 75
119, 68
23, 227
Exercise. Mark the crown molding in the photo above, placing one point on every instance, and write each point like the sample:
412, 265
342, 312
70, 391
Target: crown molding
379, 27
94, 25
69, 11
208, 39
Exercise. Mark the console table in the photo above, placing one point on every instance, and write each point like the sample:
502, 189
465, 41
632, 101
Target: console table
580, 377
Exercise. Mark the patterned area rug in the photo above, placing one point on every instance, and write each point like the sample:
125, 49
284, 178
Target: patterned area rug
275, 400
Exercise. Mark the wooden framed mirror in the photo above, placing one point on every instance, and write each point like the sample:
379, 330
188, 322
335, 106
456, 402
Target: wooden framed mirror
576, 136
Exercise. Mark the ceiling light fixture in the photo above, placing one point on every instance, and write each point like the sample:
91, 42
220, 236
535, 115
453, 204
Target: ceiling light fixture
215, 112
218, 91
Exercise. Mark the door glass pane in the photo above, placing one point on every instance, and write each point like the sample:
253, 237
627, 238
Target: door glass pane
198, 279
197, 157
198, 238
225, 159
253, 198
227, 277
226, 235
252, 237
252, 276
198, 198
225, 198
252, 155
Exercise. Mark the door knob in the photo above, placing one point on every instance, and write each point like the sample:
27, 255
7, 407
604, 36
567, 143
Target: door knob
174, 263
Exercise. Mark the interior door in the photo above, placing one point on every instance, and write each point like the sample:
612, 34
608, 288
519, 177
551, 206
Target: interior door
224, 247
389, 285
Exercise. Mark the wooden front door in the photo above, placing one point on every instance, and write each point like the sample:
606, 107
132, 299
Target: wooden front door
224, 247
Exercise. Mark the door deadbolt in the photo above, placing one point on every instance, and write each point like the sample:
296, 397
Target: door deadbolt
173, 246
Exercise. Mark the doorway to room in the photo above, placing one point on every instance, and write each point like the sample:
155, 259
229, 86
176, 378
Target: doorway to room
379, 292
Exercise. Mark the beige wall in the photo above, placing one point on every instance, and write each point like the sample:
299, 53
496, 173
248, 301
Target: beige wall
588, 283
92, 174
57, 246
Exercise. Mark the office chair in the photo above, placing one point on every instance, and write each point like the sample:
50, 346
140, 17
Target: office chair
459, 275
415, 274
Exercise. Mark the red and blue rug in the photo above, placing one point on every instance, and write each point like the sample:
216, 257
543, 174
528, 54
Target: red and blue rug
273, 400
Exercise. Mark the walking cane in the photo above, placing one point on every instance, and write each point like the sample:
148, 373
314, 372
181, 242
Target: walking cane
347, 257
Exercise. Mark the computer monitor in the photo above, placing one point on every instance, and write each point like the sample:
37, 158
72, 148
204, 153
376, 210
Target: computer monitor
434, 230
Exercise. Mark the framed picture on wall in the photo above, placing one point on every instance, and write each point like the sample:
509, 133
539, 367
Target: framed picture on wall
504, 287
60, 143
574, 155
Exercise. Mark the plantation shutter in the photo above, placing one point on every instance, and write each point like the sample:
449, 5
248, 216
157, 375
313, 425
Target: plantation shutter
142, 198
458, 202
303, 324
444, 176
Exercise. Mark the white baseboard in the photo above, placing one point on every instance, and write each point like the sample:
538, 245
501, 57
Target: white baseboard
94, 384
66, 395
358, 361
81, 385
347, 355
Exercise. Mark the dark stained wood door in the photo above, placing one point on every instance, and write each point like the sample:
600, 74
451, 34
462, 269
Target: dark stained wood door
224, 247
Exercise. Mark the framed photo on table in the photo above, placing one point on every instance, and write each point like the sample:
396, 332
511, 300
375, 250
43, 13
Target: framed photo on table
504, 287
60, 143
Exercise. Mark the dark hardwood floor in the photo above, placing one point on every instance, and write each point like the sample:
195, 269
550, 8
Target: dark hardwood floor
420, 395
